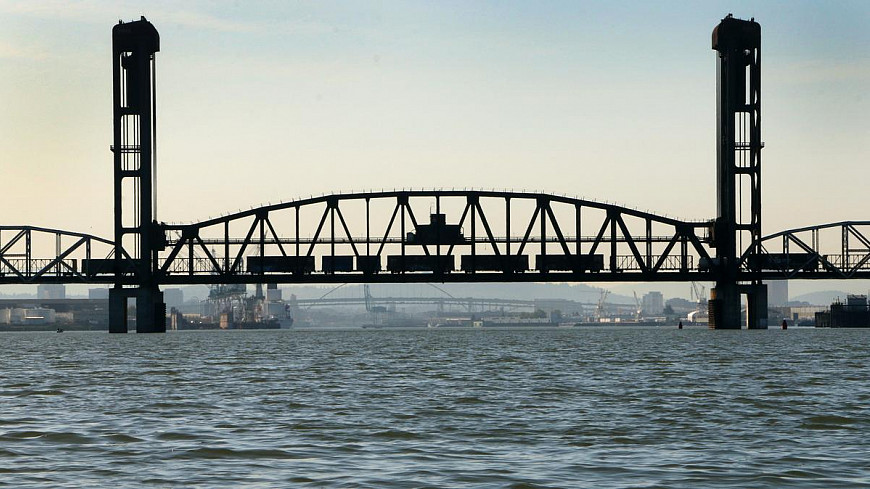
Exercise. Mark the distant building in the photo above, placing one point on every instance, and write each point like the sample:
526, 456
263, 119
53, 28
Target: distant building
797, 314
680, 305
173, 298
36, 315
777, 293
51, 291
653, 303
273, 293
17, 315
565, 306
98, 294
64, 317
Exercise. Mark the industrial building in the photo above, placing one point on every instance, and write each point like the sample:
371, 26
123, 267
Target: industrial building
855, 313
27, 316
86, 314
777, 293
98, 294
173, 297
51, 291
653, 303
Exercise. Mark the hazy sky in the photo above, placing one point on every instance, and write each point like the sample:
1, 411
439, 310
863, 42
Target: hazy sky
266, 101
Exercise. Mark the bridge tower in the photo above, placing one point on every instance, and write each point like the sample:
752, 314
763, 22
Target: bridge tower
737, 230
138, 237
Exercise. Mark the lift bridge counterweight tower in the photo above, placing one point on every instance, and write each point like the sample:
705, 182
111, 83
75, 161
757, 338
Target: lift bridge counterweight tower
737, 229
138, 238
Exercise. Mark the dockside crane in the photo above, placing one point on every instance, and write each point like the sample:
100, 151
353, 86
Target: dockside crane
698, 293
599, 309
370, 307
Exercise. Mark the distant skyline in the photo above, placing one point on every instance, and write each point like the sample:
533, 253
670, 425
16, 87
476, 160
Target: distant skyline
622, 293
267, 101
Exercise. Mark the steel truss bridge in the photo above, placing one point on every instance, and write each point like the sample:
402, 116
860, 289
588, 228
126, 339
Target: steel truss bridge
628, 245
438, 235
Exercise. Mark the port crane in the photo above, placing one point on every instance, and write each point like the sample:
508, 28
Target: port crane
600, 308
698, 293
638, 310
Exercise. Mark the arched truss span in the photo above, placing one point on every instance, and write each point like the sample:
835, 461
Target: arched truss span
31, 254
838, 250
425, 236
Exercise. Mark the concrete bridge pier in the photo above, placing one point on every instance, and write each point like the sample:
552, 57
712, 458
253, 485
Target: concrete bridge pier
724, 306
756, 306
118, 309
150, 309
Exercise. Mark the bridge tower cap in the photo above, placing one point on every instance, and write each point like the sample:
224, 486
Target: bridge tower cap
734, 34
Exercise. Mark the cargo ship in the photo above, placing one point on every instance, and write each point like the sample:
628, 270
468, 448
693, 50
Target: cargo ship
230, 307
179, 322
265, 323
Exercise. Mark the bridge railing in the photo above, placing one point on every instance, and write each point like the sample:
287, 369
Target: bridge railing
849, 262
669, 263
28, 268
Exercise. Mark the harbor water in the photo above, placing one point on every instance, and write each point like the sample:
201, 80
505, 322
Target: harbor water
522, 408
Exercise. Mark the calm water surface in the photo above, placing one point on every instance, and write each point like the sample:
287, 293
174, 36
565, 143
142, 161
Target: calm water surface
437, 408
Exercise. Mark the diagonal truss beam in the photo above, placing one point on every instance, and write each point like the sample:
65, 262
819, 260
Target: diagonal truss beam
630, 240
60, 258
346, 230
486, 228
240, 255
274, 236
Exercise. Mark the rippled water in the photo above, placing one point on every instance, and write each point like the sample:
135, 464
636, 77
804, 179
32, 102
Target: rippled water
437, 408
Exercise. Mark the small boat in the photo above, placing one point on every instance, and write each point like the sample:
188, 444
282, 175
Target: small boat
60, 330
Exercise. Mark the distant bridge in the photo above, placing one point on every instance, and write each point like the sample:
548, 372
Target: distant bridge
468, 303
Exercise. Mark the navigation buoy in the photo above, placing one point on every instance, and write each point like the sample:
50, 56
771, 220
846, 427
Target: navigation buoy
680, 326
784, 324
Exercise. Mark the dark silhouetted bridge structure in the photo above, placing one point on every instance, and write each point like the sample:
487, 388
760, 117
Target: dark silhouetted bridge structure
405, 236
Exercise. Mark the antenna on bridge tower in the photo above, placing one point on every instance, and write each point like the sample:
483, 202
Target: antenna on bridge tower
137, 234
738, 173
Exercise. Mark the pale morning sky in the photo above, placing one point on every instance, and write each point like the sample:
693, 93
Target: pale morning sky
266, 101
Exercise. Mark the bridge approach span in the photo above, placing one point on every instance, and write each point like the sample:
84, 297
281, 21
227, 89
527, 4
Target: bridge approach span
837, 250
31, 254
